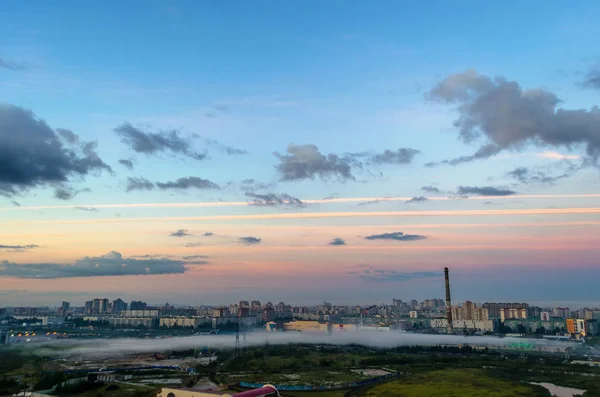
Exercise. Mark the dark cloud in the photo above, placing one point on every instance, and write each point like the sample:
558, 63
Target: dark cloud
194, 245
126, 163
532, 176
193, 257
592, 79
66, 193
68, 136
188, 183
398, 236
483, 191
6, 64
18, 248
208, 234
252, 185
224, 148
483, 152
211, 115
249, 240
16, 203
89, 209
509, 117
337, 241
419, 199
370, 202
400, 156
431, 189
139, 183
306, 162
272, 199
152, 143
180, 233
111, 264
386, 276
33, 155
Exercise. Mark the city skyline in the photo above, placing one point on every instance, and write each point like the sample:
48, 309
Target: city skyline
345, 155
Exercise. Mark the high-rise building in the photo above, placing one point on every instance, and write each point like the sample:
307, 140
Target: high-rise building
88, 307
95, 306
137, 305
414, 304
580, 327
494, 309
256, 305
509, 314
65, 306
118, 306
562, 312
103, 306
545, 316
570, 326
469, 312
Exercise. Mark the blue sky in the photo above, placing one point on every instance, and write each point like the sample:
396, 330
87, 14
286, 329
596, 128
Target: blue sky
349, 77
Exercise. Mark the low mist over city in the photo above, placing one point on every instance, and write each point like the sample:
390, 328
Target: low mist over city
299, 199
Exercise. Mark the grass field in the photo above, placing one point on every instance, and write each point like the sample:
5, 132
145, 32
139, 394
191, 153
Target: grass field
323, 377
455, 383
111, 390
337, 393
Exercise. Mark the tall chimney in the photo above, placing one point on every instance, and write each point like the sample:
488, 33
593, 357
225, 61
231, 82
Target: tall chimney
449, 327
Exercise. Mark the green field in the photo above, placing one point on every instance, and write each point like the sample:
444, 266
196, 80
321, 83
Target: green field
454, 383
321, 378
109, 390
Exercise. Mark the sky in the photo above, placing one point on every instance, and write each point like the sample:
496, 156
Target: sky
197, 152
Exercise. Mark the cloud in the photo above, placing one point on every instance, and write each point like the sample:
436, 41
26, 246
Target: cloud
370, 202
18, 248
592, 79
152, 143
484, 191
180, 233
306, 162
483, 152
209, 234
32, 154
398, 236
66, 193
89, 209
386, 276
431, 189
419, 199
272, 199
224, 148
139, 183
252, 185
111, 264
337, 241
188, 183
194, 245
10, 65
16, 203
543, 175
249, 240
126, 163
509, 117
68, 136
400, 156
193, 257
558, 156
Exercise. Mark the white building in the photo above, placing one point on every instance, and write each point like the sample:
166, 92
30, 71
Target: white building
545, 316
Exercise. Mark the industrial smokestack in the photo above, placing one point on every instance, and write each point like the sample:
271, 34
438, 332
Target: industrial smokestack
449, 327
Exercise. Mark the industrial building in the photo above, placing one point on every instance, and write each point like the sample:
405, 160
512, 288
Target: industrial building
458, 325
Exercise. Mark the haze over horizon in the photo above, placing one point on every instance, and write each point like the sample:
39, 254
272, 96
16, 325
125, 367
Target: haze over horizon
194, 152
